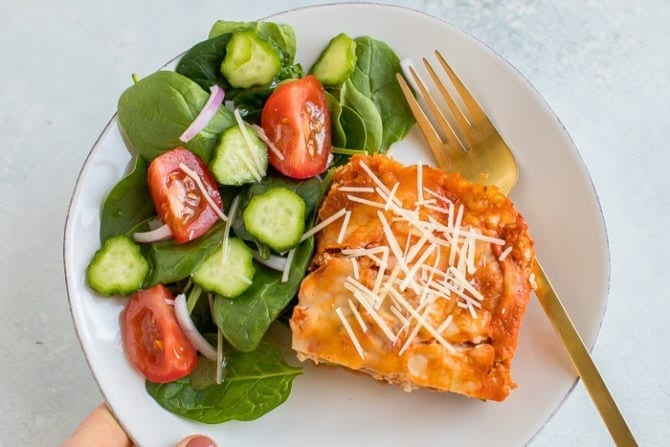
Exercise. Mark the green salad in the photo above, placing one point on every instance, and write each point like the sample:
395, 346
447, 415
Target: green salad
211, 232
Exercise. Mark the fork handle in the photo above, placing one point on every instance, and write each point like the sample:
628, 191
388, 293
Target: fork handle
581, 359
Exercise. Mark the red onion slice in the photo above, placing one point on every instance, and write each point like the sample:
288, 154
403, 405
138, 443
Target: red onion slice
274, 262
191, 332
159, 234
208, 111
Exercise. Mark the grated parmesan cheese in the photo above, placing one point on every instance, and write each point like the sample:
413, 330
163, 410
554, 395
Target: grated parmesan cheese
229, 223
358, 316
198, 181
407, 279
258, 164
343, 229
350, 332
505, 253
268, 142
323, 224
363, 189
287, 267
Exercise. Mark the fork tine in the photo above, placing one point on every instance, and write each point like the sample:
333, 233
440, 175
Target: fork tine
471, 103
428, 131
461, 120
452, 139
430, 134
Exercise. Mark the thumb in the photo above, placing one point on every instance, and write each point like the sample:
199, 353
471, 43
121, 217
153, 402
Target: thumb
197, 441
99, 428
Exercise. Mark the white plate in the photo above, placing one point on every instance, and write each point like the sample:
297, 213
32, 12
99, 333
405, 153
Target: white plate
331, 405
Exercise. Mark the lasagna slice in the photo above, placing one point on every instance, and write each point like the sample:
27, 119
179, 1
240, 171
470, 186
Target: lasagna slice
421, 280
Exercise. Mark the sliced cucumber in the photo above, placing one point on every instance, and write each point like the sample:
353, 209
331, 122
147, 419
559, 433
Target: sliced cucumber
118, 267
227, 277
276, 218
336, 62
235, 161
250, 60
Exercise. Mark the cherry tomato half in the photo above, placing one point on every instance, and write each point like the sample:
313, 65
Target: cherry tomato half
152, 338
296, 119
179, 201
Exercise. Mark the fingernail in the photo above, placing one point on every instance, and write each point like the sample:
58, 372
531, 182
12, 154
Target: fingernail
200, 441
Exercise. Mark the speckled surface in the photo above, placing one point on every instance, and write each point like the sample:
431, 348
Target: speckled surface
602, 66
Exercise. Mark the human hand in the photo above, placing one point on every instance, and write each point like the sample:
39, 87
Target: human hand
100, 429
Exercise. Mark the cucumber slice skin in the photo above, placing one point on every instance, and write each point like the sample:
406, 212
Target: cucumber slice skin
118, 267
228, 278
233, 160
337, 61
250, 60
276, 218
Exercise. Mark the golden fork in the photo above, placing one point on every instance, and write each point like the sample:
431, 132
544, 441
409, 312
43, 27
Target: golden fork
474, 148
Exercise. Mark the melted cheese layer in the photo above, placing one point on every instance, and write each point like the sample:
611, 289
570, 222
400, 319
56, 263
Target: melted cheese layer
424, 285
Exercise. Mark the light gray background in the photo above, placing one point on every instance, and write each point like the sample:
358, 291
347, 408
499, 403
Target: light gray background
603, 66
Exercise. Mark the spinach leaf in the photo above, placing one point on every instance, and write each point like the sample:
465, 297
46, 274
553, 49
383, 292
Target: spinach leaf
339, 135
374, 77
128, 203
203, 61
367, 110
356, 134
204, 374
172, 262
255, 383
356, 130
155, 111
245, 319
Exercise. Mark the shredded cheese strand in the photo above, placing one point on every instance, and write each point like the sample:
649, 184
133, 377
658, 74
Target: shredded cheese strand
422, 321
401, 318
388, 198
505, 253
258, 164
395, 248
445, 324
455, 232
289, 262
414, 333
358, 294
350, 332
436, 195
268, 142
345, 226
364, 251
412, 272
198, 181
382, 269
419, 181
358, 316
363, 189
354, 266
229, 223
374, 178
323, 224
366, 201
463, 281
